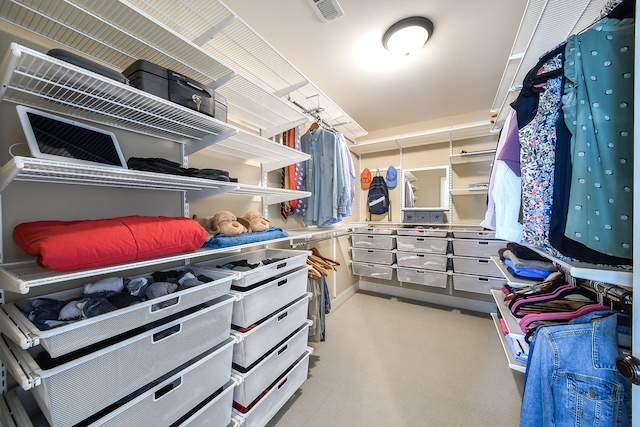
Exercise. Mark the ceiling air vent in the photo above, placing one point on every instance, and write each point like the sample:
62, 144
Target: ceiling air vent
327, 10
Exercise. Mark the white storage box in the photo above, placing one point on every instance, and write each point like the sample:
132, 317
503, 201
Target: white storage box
477, 266
174, 397
477, 284
374, 230
215, 411
257, 380
432, 245
287, 261
113, 372
477, 248
162, 404
370, 241
260, 339
375, 256
378, 271
79, 334
436, 279
425, 232
473, 234
259, 302
422, 260
260, 414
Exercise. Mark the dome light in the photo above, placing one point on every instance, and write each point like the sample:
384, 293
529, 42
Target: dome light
408, 35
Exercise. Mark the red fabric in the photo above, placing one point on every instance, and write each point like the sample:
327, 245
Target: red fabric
83, 244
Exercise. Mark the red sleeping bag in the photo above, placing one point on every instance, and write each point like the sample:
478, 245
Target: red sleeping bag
84, 244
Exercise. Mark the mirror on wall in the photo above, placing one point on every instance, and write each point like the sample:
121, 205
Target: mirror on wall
426, 188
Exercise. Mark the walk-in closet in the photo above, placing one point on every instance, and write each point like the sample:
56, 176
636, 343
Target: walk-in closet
223, 213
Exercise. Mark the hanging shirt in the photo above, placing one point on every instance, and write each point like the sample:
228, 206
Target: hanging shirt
537, 157
326, 176
598, 107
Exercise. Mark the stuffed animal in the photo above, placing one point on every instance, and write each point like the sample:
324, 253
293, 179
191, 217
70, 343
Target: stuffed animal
223, 222
256, 221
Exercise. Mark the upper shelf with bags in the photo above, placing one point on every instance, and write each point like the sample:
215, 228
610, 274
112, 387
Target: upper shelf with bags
204, 40
36, 79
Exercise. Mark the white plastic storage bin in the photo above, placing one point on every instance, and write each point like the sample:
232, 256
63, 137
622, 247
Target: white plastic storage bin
422, 260
432, 245
477, 248
436, 279
477, 266
477, 284
113, 372
377, 271
260, 339
260, 414
374, 230
370, 241
79, 334
257, 380
424, 232
259, 302
279, 261
145, 409
174, 397
375, 256
215, 411
473, 234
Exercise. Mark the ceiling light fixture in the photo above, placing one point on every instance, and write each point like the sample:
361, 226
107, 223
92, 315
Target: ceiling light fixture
408, 35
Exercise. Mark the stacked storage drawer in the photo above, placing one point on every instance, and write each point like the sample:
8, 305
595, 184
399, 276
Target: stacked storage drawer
473, 270
373, 252
269, 321
129, 372
422, 256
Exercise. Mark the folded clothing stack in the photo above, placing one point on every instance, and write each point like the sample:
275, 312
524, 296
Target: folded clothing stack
159, 165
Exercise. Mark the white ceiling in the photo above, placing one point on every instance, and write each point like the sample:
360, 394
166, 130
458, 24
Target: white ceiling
458, 71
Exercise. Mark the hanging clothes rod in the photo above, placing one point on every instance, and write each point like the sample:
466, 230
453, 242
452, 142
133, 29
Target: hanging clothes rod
612, 292
312, 241
315, 113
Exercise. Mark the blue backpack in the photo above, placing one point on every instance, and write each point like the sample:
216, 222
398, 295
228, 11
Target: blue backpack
378, 196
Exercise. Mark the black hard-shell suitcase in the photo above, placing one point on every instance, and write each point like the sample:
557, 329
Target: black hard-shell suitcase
80, 61
171, 86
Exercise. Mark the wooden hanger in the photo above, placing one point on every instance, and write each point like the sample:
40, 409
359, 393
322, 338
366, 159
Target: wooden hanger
314, 273
317, 268
314, 126
321, 262
316, 252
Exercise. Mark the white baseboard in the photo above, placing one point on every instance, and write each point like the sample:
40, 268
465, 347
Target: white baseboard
446, 300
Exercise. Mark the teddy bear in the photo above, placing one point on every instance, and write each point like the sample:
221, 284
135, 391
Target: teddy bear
256, 221
223, 222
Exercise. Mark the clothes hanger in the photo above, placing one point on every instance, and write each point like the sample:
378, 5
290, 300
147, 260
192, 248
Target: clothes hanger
317, 253
318, 268
554, 278
321, 262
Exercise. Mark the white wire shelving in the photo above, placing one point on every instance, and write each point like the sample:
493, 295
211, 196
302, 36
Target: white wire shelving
426, 137
32, 78
545, 24
54, 172
199, 38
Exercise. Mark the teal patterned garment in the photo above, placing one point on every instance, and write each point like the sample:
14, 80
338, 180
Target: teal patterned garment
598, 109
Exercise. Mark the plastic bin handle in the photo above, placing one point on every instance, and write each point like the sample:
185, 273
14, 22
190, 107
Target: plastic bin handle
163, 391
166, 333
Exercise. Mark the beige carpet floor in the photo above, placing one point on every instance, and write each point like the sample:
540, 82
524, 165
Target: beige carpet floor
395, 363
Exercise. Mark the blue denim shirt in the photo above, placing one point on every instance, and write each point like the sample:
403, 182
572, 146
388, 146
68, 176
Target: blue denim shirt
572, 378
